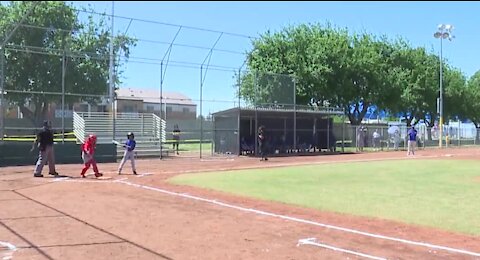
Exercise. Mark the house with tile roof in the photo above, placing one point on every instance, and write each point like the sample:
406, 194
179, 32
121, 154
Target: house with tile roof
174, 105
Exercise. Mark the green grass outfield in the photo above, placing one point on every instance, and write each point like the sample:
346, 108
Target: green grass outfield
444, 194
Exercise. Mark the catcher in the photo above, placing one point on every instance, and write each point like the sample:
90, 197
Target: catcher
88, 151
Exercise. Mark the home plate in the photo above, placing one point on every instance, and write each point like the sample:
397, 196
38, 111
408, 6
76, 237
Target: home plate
104, 178
144, 174
448, 155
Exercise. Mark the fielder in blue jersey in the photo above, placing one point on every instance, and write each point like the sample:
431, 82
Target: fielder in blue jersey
129, 153
412, 140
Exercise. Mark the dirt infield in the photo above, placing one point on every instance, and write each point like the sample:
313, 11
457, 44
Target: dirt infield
143, 217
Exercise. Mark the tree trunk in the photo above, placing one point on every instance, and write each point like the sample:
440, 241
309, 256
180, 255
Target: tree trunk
357, 116
410, 118
409, 121
37, 116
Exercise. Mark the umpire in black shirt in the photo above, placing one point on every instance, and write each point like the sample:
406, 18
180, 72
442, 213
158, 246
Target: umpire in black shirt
44, 141
262, 143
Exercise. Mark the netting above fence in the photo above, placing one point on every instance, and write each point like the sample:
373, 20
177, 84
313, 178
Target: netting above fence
274, 90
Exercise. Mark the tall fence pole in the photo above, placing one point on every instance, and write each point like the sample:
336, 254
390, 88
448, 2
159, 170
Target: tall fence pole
202, 79
162, 78
2, 90
161, 112
458, 131
255, 96
294, 115
328, 133
239, 148
201, 109
63, 92
343, 133
213, 131
111, 76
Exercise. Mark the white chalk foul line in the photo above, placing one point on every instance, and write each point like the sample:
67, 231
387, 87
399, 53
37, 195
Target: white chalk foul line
144, 174
304, 163
68, 179
312, 241
217, 159
304, 221
10, 250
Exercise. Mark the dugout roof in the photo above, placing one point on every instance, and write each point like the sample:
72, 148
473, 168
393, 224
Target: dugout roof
278, 112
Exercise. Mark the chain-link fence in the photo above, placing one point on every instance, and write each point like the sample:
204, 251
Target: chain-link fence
195, 108
383, 137
46, 85
190, 121
269, 101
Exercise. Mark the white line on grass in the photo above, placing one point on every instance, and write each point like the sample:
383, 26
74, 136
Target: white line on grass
361, 160
312, 242
260, 212
10, 250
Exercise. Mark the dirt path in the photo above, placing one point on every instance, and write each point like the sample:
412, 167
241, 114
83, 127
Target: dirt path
130, 217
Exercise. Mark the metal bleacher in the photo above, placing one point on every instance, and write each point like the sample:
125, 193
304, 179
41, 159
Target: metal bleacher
149, 130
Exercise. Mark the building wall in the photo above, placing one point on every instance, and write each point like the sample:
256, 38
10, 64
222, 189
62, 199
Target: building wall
129, 106
173, 111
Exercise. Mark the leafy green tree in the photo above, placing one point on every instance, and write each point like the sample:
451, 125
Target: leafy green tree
34, 56
352, 72
471, 100
328, 64
455, 84
418, 84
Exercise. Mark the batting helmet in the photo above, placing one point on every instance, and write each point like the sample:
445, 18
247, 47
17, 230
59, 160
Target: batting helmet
130, 134
92, 137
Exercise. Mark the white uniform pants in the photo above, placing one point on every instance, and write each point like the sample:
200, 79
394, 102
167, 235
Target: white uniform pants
411, 146
128, 155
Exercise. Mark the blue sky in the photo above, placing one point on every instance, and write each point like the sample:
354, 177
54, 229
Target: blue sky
414, 21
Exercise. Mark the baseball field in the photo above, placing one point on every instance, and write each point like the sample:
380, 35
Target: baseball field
381, 205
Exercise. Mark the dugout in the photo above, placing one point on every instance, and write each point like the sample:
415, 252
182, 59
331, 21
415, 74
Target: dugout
288, 131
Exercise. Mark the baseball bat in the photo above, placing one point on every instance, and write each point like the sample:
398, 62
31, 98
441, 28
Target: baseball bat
118, 143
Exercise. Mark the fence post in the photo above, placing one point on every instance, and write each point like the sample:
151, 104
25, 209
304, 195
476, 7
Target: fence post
328, 133
2, 90
458, 131
382, 138
213, 132
201, 107
255, 96
239, 149
343, 132
63, 92
111, 80
161, 107
425, 136
143, 123
294, 116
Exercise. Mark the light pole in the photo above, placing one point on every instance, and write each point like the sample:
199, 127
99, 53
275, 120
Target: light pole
444, 32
